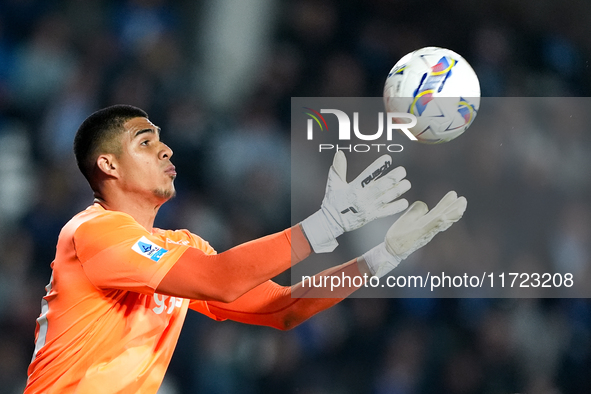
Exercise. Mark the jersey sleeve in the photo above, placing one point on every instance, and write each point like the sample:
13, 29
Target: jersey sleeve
200, 243
118, 253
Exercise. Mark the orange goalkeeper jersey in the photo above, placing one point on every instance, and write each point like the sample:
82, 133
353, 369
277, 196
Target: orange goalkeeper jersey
102, 327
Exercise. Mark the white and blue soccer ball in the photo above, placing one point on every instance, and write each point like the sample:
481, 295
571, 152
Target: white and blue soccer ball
439, 87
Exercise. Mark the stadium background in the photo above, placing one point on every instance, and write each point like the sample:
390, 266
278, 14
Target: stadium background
217, 76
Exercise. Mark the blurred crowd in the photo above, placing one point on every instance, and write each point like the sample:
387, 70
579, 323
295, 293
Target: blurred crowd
61, 60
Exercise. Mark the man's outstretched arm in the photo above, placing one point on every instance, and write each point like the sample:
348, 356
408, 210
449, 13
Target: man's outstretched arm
345, 207
282, 306
228, 275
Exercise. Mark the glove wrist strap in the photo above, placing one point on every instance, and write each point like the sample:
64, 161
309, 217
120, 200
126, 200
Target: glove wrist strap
318, 230
380, 261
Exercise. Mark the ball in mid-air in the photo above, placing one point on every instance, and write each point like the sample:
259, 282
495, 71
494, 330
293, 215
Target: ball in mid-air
439, 88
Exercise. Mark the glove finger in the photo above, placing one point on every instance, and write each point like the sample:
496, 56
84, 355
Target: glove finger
339, 163
428, 236
457, 209
416, 211
452, 214
452, 209
393, 193
444, 203
385, 182
391, 177
398, 238
374, 171
391, 208
426, 228
404, 247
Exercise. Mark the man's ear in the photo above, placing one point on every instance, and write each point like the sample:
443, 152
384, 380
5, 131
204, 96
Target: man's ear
107, 164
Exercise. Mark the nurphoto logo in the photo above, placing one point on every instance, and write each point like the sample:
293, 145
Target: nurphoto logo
401, 121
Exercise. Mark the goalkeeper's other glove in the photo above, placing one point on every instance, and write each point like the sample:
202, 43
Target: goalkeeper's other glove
414, 229
348, 206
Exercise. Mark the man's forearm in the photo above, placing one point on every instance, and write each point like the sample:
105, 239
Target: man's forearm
285, 307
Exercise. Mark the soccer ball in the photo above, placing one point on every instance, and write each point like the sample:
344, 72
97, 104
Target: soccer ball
439, 87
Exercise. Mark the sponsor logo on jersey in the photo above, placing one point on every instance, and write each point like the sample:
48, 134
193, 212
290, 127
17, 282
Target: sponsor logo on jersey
149, 249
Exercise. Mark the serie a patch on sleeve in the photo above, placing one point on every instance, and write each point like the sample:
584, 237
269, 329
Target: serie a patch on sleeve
149, 249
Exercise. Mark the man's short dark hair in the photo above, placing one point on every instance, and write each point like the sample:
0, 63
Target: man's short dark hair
97, 135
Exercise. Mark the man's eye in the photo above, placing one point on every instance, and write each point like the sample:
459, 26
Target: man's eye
145, 142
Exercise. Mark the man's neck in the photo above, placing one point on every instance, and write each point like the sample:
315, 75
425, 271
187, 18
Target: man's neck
142, 212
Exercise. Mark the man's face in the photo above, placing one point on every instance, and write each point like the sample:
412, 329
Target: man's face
145, 169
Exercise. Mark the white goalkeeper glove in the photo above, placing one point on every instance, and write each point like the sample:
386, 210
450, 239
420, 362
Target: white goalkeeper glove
348, 206
413, 230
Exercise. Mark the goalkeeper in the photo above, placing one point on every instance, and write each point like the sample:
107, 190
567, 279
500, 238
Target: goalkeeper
120, 288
